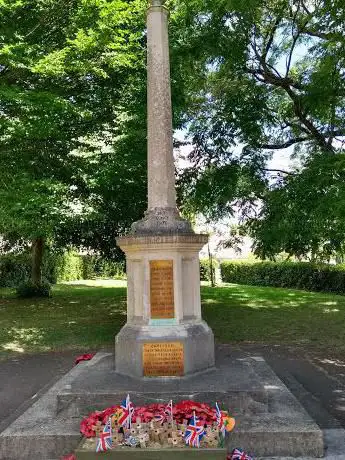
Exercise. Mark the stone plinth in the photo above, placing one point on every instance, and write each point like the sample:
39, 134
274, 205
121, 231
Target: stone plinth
84, 453
165, 335
269, 419
270, 422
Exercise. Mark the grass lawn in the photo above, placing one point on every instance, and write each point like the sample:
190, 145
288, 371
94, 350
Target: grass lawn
87, 316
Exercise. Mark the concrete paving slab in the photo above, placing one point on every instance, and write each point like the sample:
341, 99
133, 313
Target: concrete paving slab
24, 378
39, 432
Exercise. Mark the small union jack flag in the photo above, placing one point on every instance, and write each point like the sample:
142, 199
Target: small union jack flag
168, 411
166, 416
220, 420
238, 454
194, 432
105, 442
125, 418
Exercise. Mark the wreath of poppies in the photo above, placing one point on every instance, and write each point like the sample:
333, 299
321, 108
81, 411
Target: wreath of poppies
183, 410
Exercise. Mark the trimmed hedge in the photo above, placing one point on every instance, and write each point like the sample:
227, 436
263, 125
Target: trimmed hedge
299, 275
205, 269
15, 269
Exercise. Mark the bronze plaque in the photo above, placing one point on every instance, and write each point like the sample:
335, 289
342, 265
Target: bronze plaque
163, 359
162, 289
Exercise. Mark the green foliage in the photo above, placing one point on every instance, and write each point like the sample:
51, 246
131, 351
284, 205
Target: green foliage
29, 290
58, 267
300, 275
205, 269
270, 76
68, 267
305, 214
72, 124
14, 269
99, 267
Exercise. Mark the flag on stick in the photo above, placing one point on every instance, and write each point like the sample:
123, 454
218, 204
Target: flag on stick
220, 420
239, 454
194, 432
105, 442
168, 412
125, 418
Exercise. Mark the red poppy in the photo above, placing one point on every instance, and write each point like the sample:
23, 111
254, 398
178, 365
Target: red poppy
85, 357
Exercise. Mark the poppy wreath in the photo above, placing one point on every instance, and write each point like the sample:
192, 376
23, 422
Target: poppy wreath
181, 411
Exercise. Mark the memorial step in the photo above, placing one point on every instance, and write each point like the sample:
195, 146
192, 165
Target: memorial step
84, 453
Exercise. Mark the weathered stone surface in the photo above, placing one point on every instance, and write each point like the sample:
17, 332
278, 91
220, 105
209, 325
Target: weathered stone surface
160, 221
153, 454
269, 420
39, 432
161, 170
162, 236
157, 2
162, 216
143, 243
197, 339
185, 324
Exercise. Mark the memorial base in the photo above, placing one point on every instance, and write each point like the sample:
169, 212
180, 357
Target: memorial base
270, 422
165, 335
164, 351
86, 451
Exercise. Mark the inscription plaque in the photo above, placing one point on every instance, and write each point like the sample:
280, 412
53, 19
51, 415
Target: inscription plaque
162, 289
163, 359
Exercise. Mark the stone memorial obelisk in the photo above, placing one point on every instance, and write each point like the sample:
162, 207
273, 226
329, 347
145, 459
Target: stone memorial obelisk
165, 335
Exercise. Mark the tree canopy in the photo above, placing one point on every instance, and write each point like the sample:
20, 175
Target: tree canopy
248, 79
70, 85
270, 77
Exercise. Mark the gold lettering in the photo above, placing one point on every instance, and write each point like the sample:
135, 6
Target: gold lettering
163, 359
162, 289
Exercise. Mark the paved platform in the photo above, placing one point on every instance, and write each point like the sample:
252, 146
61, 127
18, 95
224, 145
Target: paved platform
270, 420
24, 378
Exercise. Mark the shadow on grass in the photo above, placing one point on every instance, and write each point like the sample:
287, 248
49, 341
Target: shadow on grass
76, 317
88, 317
274, 315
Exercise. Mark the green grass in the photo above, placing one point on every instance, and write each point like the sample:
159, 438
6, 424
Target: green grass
87, 317
268, 315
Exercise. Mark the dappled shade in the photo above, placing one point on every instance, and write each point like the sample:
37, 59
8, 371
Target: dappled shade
88, 315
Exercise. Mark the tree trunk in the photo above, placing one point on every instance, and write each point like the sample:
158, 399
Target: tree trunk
37, 260
210, 258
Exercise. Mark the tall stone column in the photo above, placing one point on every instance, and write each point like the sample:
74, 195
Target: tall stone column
162, 215
165, 335
161, 173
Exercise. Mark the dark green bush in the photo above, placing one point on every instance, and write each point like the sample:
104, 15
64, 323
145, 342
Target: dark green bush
205, 269
15, 269
28, 290
300, 275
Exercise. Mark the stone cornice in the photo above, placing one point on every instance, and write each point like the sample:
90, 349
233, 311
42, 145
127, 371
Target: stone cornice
168, 242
